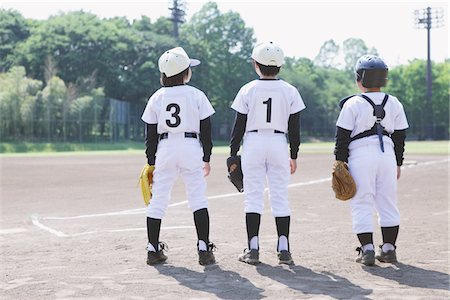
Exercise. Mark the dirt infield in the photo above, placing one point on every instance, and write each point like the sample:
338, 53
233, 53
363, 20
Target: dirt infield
73, 226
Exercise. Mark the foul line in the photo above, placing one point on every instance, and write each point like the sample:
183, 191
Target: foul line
36, 220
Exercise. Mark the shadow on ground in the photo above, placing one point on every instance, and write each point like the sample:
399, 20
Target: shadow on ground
412, 276
214, 280
311, 283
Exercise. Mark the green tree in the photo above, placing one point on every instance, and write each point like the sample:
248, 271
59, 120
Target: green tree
408, 84
353, 49
13, 30
328, 54
18, 96
224, 44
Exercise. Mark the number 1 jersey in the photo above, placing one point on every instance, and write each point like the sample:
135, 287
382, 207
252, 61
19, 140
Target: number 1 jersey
177, 109
268, 104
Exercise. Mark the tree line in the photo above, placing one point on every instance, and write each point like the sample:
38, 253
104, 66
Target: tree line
77, 77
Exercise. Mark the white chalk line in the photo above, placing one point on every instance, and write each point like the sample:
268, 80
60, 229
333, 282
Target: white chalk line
143, 228
35, 219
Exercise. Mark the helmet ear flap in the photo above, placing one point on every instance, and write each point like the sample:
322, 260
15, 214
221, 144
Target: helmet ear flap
359, 75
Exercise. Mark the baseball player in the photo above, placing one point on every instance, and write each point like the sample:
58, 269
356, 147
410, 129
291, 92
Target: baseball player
267, 109
178, 123
370, 136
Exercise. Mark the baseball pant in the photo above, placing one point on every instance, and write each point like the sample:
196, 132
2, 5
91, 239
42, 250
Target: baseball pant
375, 175
264, 154
178, 155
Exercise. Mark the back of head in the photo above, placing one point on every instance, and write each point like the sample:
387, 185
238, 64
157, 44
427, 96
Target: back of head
372, 71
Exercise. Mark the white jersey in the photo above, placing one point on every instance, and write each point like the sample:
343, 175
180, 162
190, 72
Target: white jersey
374, 171
357, 115
177, 109
268, 104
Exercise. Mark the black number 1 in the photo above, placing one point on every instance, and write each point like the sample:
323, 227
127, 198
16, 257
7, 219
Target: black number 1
269, 110
175, 115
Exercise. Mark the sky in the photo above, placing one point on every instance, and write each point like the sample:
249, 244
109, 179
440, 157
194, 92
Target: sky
299, 27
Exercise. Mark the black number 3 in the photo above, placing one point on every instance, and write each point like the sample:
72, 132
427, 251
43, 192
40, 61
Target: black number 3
175, 115
269, 110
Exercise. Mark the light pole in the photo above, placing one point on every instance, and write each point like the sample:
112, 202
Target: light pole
178, 8
429, 18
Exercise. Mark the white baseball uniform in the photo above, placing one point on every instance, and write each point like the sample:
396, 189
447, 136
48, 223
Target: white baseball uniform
177, 110
374, 171
268, 105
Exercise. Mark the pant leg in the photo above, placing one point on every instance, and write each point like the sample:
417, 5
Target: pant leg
386, 190
190, 163
278, 175
254, 170
164, 177
363, 167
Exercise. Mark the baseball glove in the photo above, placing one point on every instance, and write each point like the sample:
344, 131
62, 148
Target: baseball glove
342, 182
235, 172
146, 181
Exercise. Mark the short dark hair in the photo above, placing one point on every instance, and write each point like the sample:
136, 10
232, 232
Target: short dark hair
173, 80
268, 70
372, 78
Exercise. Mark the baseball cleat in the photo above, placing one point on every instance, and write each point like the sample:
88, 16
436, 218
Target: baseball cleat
158, 257
387, 257
207, 257
285, 257
250, 256
366, 258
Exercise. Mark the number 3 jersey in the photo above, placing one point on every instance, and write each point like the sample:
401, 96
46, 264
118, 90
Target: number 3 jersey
177, 109
268, 104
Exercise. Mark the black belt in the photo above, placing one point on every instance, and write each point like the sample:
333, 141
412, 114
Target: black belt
275, 131
367, 133
165, 135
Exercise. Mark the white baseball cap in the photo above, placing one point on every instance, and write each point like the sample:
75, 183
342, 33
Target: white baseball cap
175, 61
268, 54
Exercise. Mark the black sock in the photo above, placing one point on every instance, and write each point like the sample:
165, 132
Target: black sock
283, 225
253, 221
201, 219
365, 238
153, 228
283, 228
390, 234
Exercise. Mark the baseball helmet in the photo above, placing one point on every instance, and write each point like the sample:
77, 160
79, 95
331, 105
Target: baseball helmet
371, 71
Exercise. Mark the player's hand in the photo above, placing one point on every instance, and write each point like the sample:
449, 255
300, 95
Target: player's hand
206, 169
293, 164
399, 172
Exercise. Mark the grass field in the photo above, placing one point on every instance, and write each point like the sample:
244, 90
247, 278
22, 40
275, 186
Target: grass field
220, 147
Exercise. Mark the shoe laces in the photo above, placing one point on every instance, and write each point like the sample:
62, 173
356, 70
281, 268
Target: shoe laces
212, 247
163, 246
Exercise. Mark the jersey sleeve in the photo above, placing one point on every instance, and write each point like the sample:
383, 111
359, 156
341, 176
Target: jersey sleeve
149, 116
346, 119
400, 120
239, 104
205, 108
297, 102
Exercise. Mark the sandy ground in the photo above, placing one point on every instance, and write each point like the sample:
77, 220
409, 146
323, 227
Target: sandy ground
73, 226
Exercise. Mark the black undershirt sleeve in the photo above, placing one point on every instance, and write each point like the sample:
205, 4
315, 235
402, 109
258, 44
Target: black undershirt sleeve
398, 137
294, 134
237, 134
342, 142
205, 138
151, 142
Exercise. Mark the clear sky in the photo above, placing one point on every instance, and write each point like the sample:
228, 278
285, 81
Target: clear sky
299, 27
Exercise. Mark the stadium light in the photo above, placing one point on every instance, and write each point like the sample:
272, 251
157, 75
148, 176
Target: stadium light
428, 18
